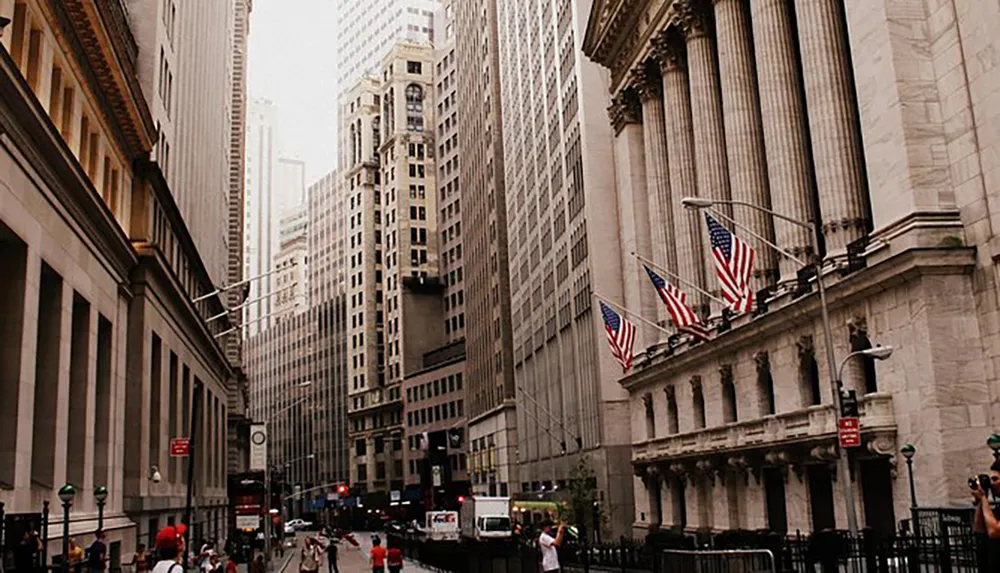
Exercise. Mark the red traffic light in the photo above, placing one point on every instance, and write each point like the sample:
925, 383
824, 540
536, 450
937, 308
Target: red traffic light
461, 499
342, 489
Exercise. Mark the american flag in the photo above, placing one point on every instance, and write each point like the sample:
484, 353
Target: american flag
621, 336
734, 266
677, 305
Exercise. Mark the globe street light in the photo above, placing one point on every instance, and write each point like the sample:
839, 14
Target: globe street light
908, 451
994, 443
101, 495
66, 495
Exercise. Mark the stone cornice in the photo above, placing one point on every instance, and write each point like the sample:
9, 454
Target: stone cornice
623, 111
96, 33
899, 268
45, 154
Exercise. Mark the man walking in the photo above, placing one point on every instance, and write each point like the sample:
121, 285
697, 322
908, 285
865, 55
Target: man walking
331, 554
97, 553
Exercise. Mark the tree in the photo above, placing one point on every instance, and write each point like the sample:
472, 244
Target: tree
583, 506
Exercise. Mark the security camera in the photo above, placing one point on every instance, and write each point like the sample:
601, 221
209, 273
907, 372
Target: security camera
3, 24
154, 474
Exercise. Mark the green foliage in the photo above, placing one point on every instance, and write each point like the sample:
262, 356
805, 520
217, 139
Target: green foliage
578, 511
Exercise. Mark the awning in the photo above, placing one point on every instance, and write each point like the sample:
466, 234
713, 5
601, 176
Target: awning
536, 505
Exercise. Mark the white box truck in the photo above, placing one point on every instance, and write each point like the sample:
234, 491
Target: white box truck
486, 518
442, 526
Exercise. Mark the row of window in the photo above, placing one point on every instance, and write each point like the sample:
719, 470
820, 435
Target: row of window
436, 413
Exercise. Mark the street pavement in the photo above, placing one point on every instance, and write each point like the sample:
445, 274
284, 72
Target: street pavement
350, 559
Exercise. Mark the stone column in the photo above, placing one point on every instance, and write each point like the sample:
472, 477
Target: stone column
633, 209
661, 217
744, 133
783, 117
681, 167
833, 122
706, 103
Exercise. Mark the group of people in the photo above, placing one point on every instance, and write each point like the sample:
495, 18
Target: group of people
92, 560
381, 557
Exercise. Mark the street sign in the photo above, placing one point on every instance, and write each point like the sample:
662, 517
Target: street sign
180, 447
849, 432
247, 522
258, 447
394, 495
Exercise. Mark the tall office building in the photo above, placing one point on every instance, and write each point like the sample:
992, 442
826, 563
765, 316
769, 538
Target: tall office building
237, 166
449, 214
185, 66
489, 336
327, 311
393, 272
292, 276
562, 221
365, 32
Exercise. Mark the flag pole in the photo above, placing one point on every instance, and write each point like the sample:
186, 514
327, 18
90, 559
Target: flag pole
679, 279
721, 215
633, 315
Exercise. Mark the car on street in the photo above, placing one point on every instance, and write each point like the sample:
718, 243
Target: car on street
299, 524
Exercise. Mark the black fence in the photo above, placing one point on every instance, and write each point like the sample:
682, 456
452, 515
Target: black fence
757, 551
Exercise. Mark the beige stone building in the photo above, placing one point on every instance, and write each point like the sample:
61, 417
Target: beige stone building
105, 355
292, 276
874, 118
492, 437
392, 261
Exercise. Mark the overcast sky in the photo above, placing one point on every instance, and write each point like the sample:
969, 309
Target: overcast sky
292, 62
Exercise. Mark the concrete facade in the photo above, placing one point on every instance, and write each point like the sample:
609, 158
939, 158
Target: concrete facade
563, 243
489, 335
882, 138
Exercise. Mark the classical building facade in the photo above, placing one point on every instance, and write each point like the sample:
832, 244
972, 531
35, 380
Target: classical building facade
106, 357
492, 439
823, 110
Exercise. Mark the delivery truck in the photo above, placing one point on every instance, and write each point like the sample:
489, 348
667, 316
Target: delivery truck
442, 526
485, 518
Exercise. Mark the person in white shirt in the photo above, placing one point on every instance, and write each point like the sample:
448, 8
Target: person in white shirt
548, 545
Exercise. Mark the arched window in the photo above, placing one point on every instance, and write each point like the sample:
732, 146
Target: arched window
414, 108
387, 113
354, 150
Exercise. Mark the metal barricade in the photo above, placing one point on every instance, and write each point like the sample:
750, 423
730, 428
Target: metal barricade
727, 561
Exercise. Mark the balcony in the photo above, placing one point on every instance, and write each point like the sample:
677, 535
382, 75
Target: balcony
816, 423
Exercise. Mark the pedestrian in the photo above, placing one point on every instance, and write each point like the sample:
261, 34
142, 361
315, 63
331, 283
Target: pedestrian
257, 565
331, 555
169, 549
140, 560
75, 556
548, 544
231, 565
377, 556
26, 552
309, 556
97, 553
394, 558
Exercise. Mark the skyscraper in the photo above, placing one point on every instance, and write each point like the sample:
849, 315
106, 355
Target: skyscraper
562, 221
393, 272
489, 337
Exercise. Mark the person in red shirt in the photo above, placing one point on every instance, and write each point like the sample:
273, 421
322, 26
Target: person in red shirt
378, 556
231, 566
394, 559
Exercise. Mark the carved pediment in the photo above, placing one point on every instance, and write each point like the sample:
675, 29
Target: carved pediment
763, 361
806, 347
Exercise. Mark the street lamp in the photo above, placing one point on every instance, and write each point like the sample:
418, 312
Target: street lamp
101, 495
843, 468
66, 495
908, 451
876, 353
994, 443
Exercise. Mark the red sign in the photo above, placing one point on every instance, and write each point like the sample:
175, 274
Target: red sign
849, 432
180, 447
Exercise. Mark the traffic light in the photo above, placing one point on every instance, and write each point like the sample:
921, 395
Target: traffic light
342, 489
461, 499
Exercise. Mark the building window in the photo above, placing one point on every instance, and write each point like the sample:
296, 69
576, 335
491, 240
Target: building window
765, 385
413, 67
414, 108
729, 409
697, 403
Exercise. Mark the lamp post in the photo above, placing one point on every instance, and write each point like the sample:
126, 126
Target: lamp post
994, 443
908, 451
836, 387
101, 495
66, 495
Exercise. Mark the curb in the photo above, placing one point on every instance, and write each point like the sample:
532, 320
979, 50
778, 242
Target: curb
287, 561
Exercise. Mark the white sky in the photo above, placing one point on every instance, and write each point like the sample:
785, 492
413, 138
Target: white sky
292, 62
